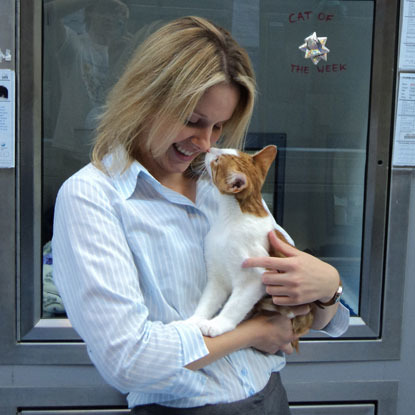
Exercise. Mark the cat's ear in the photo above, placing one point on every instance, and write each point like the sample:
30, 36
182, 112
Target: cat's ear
264, 158
236, 182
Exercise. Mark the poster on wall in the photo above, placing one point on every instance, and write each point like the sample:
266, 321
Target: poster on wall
404, 137
407, 50
7, 122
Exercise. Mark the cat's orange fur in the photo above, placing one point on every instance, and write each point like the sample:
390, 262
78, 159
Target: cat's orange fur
247, 194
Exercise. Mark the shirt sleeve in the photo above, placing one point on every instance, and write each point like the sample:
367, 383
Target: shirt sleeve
97, 278
339, 323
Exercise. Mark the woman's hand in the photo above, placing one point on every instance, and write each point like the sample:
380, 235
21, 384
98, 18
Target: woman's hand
268, 333
295, 280
272, 331
298, 278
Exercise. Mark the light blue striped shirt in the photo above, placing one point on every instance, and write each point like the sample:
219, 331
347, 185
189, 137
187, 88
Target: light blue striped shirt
129, 264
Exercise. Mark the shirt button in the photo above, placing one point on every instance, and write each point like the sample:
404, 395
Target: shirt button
252, 391
244, 372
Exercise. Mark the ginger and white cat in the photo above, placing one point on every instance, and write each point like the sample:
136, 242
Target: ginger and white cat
240, 231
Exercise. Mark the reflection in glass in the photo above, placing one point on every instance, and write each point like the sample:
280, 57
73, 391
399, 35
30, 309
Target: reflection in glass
86, 46
320, 110
323, 110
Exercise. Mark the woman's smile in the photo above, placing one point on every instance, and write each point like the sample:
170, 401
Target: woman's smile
183, 151
202, 130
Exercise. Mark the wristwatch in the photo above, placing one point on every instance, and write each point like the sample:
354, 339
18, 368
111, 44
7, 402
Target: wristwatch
335, 299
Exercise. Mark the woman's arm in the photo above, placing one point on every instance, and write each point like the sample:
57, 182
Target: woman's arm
295, 280
267, 333
98, 280
298, 278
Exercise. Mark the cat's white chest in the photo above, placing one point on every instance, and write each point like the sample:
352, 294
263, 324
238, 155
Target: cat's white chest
234, 238
230, 288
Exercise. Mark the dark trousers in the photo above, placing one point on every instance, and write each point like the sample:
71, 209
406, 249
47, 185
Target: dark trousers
272, 400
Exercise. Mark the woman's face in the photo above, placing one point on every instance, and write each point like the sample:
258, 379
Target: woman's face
202, 129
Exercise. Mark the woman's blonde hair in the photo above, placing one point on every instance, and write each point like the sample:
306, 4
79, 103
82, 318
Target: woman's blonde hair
163, 83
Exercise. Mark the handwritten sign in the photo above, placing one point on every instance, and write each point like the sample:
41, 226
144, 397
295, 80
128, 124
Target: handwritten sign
308, 16
332, 68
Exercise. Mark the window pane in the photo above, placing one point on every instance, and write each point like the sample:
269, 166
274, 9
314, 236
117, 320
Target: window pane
318, 114
323, 110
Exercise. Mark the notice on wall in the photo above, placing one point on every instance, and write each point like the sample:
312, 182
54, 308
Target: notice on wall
7, 118
407, 50
404, 137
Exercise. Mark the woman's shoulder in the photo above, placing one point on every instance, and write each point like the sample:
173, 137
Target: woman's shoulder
88, 174
86, 180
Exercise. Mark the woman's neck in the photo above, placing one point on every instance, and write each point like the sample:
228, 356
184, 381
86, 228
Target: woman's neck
181, 184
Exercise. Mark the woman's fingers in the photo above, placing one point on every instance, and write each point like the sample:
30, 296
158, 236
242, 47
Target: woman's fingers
262, 262
274, 262
273, 332
287, 348
300, 310
281, 246
296, 278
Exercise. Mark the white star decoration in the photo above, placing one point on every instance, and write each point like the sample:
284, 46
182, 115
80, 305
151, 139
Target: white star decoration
315, 48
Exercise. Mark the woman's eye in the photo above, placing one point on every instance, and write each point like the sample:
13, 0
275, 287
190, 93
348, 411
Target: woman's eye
218, 127
192, 120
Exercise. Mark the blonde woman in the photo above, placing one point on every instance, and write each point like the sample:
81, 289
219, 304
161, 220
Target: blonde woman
129, 230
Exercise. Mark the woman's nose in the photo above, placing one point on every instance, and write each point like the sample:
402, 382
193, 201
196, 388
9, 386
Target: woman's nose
203, 139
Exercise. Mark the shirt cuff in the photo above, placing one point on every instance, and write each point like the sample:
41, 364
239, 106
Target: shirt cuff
193, 345
339, 323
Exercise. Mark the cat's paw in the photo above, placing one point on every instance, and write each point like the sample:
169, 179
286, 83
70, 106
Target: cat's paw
193, 319
197, 320
216, 326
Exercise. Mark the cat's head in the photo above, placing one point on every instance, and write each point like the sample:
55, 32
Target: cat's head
236, 172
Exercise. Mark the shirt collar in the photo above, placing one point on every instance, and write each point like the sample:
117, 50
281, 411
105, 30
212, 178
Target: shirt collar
124, 179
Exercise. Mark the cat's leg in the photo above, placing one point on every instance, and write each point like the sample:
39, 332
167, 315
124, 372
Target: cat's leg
213, 297
239, 304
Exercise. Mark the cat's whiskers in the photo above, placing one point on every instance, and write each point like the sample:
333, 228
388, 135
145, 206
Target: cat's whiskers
197, 168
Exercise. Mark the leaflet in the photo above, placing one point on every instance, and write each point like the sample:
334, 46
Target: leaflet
407, 49
404, 136
7, 118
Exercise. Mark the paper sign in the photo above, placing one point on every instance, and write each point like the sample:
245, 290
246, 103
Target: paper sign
7, 120
407, 50
404, 138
